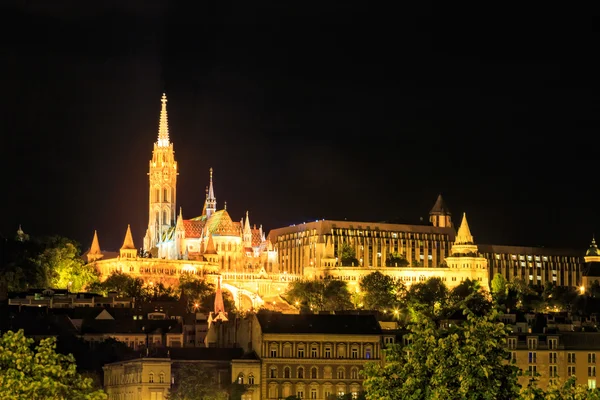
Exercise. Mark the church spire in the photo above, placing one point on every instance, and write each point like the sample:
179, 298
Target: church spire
211, 200
163, 127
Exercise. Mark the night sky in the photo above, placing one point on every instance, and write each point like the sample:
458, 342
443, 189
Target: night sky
317, 110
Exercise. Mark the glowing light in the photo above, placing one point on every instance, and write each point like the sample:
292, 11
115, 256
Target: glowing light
582, 289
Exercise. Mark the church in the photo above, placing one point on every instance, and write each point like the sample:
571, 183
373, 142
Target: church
210, 238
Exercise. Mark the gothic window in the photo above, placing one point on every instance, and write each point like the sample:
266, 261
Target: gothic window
165, 217
151, 377
250, 379
300, 373
240, 379
161, 378
156, 196
286, 372
341, 373
165, 195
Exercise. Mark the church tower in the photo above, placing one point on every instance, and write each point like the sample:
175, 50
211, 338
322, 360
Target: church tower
163, 184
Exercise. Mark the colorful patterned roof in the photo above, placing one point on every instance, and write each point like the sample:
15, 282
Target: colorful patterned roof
220, 223
193, 227
256, 239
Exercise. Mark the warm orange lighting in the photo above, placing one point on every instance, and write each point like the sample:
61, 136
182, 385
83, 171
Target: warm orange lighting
582, 289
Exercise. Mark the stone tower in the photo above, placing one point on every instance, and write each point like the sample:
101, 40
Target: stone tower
211, 200
440, 216
163, 184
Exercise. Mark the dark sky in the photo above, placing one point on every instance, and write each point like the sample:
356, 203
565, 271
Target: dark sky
305, 111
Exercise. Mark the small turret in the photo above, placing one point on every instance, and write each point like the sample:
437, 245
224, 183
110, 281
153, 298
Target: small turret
440, 216
95, 253
128, 249
593, 253
247, 233
464, 242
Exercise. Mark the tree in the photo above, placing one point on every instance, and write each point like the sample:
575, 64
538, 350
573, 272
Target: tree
559, 391
464, 361
396, 259
348, 256
64, 265
429, 297
499, 286
40, 373
196, 382
195, 290
381, 292
19, 270
123, 284
320, 295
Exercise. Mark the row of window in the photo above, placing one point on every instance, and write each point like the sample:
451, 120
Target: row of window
314, 351
313, 373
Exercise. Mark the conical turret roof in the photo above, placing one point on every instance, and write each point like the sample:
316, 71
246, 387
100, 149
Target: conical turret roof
210, 246
95, 248
440, 207
128, 242
464, 233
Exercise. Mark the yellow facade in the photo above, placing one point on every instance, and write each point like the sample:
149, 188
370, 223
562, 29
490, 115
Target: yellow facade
140, 379
557, 356
247, 372
310, 365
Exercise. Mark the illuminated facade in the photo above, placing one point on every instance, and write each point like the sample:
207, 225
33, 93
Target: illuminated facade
209, 242
309, 356
557, 356
409, 253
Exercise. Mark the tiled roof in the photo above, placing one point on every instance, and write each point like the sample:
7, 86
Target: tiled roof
317, 323
256, 239
193, 228
220, 223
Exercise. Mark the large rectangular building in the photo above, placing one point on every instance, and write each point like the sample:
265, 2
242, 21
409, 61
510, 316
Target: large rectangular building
319, 243
535, 265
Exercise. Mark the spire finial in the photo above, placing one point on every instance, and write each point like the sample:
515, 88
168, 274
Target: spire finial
163, 126
180, 211
225, 206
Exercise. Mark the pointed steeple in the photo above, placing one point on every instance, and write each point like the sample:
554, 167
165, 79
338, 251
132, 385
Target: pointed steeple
219, 304
95, 248
163, 127
440, 215
463, 242
211, 200
95, 253
247, 232
179, 224
128, 241
464, 233
128, 249
210, 246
